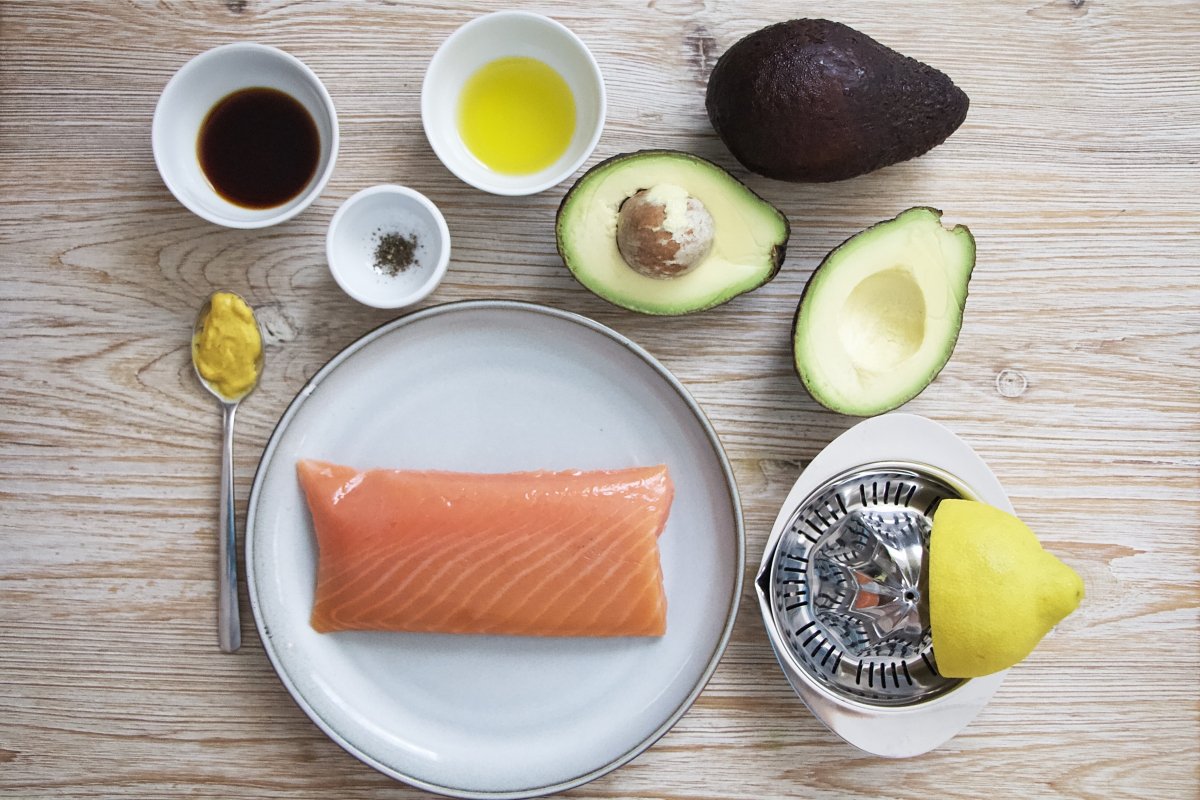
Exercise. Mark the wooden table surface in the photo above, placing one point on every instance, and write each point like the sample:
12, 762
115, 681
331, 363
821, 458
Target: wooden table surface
1075, 378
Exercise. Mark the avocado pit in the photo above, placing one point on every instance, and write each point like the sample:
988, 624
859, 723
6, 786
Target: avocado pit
663, 231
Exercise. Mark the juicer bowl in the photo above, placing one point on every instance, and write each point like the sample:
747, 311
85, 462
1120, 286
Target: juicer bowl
844, 579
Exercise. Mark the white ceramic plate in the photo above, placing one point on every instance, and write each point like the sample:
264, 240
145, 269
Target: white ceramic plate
494, 386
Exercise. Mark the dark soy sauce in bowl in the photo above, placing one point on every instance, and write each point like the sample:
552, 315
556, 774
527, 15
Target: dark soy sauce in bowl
259, 147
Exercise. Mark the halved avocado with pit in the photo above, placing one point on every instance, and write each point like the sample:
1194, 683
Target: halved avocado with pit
880, 316
695, 235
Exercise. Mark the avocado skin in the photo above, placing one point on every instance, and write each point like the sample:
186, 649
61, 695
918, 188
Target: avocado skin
810, 100
778, 253
951, 343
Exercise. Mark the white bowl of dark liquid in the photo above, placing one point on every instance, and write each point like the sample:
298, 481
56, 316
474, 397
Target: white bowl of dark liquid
245, 135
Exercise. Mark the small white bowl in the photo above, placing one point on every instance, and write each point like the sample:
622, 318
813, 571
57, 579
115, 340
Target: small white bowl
203, 82
500, 35
354, 234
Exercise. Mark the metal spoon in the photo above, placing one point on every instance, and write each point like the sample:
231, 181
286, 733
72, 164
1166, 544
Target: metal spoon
229, 629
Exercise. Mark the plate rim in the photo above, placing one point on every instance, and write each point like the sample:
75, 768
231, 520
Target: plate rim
521, 306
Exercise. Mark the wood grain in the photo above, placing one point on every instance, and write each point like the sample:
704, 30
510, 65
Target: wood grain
1075, 377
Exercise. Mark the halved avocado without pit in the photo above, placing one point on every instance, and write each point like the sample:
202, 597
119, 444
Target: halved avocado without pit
880, 316
665, 232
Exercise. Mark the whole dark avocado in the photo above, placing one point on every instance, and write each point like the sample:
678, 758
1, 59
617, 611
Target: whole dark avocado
811, 100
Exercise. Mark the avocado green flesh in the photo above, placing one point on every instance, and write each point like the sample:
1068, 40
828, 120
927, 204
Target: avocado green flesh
750, 234
880, 316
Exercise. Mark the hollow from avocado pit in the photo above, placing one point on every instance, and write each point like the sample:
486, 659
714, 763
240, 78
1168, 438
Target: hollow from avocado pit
664, 232
882, 322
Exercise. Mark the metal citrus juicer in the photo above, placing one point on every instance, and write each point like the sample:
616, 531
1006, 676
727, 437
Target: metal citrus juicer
843, 584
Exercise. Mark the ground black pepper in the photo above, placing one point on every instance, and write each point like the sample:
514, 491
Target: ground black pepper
395, 252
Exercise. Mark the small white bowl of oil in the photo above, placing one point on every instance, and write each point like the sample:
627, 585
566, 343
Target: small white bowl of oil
513, 103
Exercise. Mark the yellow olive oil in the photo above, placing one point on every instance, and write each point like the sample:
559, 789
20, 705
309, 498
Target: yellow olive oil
516, 115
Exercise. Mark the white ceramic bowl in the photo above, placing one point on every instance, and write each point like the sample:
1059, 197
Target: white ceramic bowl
198, 86
354, 234
500, 35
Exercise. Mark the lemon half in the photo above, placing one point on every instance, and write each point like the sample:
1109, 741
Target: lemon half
993, 591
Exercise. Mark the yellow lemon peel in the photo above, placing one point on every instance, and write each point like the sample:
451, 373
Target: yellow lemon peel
993, 591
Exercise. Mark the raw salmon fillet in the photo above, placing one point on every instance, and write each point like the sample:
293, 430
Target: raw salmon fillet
523, 553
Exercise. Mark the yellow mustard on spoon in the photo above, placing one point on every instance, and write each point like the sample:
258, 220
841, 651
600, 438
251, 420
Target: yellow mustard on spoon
227, 354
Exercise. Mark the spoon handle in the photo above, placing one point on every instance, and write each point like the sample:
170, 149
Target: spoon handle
229, 628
